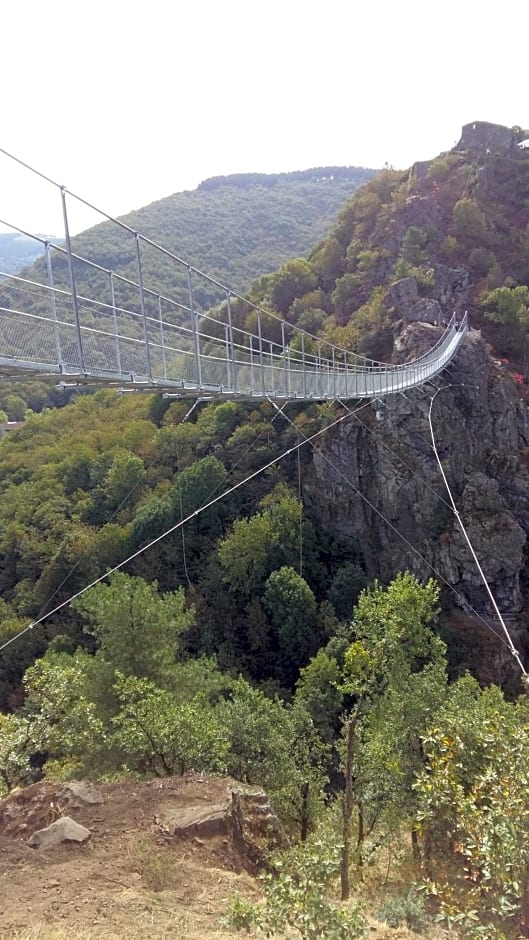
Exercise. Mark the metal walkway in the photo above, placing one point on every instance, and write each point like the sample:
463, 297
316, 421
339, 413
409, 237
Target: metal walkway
84, 323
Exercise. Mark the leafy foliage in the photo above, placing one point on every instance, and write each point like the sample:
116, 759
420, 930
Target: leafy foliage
136, 628
296, 898
473, 809
155, 732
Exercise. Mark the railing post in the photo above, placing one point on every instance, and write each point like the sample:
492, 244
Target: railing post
285, 358
334, 371
229, 382
261, 362
162, 337
346, 375
251, 364
303, 365
115, 320
53, 305
75, 305
272, 367
320, 385
196, 338
232, 349
142, 307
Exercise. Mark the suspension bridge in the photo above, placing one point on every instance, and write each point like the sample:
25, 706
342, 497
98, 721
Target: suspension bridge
84, 323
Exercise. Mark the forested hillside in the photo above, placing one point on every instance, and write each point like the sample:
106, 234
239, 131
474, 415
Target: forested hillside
310, 630
232, 228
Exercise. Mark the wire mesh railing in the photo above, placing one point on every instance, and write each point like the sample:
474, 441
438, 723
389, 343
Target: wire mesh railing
73, 316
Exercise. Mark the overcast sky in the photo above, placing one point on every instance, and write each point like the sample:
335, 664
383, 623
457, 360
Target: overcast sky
125, 103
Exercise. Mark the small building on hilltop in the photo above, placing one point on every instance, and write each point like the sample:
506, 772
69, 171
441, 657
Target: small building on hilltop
486, 138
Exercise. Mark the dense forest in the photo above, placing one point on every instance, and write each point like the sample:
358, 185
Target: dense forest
232, 228
259, 639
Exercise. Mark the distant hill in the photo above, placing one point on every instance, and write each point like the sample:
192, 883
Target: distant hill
17, 251
238, 227
233, 228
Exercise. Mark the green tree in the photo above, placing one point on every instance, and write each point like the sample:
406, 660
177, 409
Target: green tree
294, 279
244, 553
414, 246
64, 721
137, 628
16, 747
346, 296
345, 587
260, 735
297, 898
125, 475
15, 406
279, 749
292, 611
255, 547
472, 806
319, 690
396, 671
156, 733
509, 307
469, 224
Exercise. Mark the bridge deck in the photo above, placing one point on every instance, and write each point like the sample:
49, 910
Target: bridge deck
51, 348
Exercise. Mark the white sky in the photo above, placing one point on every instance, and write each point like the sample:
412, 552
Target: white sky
127, 102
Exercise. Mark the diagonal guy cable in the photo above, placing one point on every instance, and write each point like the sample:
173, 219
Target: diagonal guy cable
514, 651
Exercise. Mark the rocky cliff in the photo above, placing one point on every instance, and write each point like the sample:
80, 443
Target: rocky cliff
379, 467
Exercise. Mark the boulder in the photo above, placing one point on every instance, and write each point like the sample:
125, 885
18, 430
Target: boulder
199, 820
64, 829
83, 791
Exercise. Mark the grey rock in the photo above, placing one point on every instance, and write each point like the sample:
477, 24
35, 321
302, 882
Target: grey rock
63, 829
385, 454
487, 139
200, 820
84, 791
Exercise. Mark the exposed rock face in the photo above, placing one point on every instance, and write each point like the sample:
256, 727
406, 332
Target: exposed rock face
482, 434
255, 829
83, 791
198, 820
446, 295
245, 815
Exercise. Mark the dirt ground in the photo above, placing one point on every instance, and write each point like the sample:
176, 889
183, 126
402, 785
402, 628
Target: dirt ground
133, 879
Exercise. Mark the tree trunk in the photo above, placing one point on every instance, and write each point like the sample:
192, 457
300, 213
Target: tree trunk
348, 805
305, 814
360, 840
415, 845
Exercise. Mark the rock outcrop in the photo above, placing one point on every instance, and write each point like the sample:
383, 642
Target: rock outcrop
487, 138
377, 482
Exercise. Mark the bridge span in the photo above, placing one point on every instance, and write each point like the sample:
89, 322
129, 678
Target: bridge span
81, 322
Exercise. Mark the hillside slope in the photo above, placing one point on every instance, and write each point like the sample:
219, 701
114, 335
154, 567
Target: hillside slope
16, 251
134, 879
233, 228
419, 244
